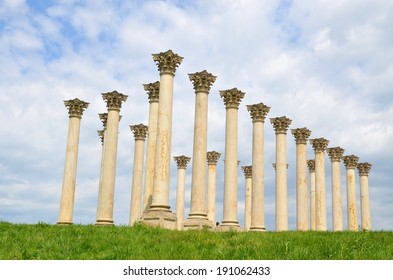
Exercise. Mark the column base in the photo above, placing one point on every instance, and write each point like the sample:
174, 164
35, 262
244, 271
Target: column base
229, 226
159, 218
257, 229
104, 223
198, 223
64, 223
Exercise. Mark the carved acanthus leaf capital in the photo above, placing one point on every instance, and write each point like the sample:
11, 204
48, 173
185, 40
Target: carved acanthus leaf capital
350, 161
311, 165
319, 144
258, 112
153, 90
232, 97
247, 170
335, 154
364, 168
75, 107
104, 118
212, 157
114, 100
182, 161
101, 134
202, 81
280, 124
167, 62
301, 135
140, 131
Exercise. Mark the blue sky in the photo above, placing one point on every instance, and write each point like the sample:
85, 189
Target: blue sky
327, 66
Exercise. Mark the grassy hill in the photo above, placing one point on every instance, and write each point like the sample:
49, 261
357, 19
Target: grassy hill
80, 242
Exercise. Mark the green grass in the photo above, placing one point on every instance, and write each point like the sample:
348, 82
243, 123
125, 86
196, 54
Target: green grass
80, 242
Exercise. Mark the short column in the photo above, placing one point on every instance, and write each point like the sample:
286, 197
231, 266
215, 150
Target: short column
75, 110
301, 136
319, 145
140, 132
350, 163
247, 205
280, 125
212, 158
363, 169
181, 162
335, 155
258, 114
311, 169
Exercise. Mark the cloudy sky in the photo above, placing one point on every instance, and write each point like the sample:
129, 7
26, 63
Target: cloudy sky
327, 65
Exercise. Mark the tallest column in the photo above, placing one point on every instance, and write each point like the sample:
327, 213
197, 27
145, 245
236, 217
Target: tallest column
159, 213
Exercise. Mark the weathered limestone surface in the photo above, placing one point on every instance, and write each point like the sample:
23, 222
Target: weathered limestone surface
181, 162
247, 206
363, 169
212, 158
75, 110
350, 163
311, 169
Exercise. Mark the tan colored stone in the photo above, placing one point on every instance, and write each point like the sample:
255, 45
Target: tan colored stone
363, 169
350, 163
248, 193
311, 169
181, 162
212, 158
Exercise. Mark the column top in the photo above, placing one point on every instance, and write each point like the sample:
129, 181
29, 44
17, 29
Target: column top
350, 161
153, 90
335, 153
75, 107
247, 170
114, 100
202, 81
212, 157
258, 112
101, 135
311, 165
232, 97
139, 130
364, 168
167, 62
104, 118
182, 161
301, 135
280, 124
319, 144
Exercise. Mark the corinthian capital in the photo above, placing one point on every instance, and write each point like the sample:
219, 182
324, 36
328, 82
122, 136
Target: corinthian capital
104, 118
139, 130
335, 154
280, 124
212, 157
311, 165
319, 144
202, 81
364, 168
153, 90
75, 107
258, 112
182, 161
114, 100
301, 135
101, 134
232, 97
167, 62
350, 161
247, 170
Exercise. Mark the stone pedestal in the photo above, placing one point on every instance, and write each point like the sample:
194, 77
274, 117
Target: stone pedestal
106, 193
258, 114
75, 111
153, 90
335, 155
212, 158
301, 136
280, 126
319, 145
363, 169
350, 163
140, 131
197, 219
181, 162
247, 206
311, 169
232, 99
159, 213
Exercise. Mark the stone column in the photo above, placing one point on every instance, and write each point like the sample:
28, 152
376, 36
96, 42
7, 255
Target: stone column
197, 219
101, 133
212, 158
114, 101
140, 131
301, 136
232, 99
258, 114
181, 162
335, 155
319, 145
153, 90
363, 169
247, 206
350, 163
75, 110
281, 125
159, 213
311, 169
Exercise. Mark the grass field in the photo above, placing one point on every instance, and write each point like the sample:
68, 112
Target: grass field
81, 242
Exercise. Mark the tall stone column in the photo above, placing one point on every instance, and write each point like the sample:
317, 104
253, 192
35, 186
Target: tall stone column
75, 110
101, 133
311, 169
114, 101
301, 136
197, 219
335, 155
212, 158
350, 163
319, 145
247, 206
258, 114
153, 90
280, 125
181, 162
140, 131
159, 213
232, 99
363, 169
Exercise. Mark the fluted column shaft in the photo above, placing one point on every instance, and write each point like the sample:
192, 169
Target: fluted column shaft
311, 168
248, 194
350, 163
212, 158
181, 162
364, 169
